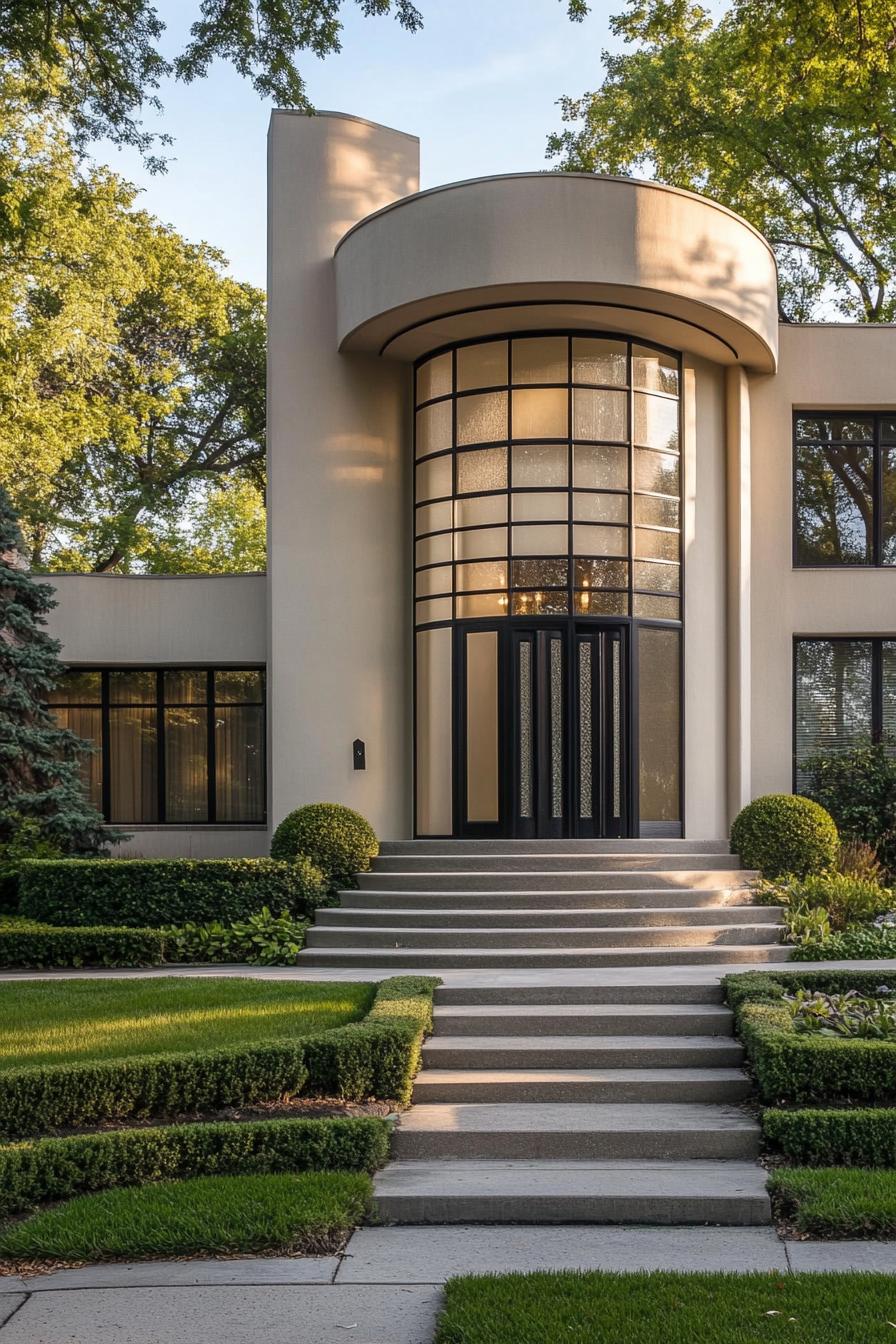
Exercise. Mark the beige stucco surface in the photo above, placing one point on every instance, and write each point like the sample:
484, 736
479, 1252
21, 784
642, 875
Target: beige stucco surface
821, 367
339, 507
647, 259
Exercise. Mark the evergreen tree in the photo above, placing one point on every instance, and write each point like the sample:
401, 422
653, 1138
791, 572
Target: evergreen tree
39, 761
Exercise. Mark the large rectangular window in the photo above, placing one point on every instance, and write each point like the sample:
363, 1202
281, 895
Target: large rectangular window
844, 694
173, 745
844, 488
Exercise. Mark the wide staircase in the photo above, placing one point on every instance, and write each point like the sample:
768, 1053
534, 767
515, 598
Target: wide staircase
563, 1099
490, 904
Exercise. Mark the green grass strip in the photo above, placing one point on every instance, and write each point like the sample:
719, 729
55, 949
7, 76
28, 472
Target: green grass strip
73, 1021
604, 1308
837, 1202
310, 1214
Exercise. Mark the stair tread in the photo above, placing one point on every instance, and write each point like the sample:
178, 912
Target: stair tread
535, 1177
567, 1043
383, 930
447, 1011
570, 1116
469, 1077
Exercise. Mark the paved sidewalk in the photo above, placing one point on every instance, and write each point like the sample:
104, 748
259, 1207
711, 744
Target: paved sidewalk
385, 1289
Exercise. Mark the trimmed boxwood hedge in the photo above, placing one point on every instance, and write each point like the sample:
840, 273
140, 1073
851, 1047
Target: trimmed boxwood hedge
856, 1137
140, 892
339, 840
51, 1169
41, 946
376, 1057
798, 1067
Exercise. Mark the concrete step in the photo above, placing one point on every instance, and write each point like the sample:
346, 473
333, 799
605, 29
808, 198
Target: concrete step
575, 1131
662, 989
689, 935
597, 1085
391, 848
544, 1191
545, 879
346, 916
581, 1052
508, 862
583, 1020
425, 960
629, 898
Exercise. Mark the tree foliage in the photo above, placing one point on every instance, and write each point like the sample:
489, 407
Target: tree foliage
132, 368
40, 777
782, 110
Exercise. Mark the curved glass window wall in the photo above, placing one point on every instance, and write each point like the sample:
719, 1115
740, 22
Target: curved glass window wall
548, 480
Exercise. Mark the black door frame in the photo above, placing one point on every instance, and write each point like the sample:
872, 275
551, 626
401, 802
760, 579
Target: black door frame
510, 633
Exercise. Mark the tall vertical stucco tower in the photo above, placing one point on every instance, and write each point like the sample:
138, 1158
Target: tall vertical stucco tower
339, 624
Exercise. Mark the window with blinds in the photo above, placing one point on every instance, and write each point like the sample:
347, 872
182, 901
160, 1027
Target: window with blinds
844, 694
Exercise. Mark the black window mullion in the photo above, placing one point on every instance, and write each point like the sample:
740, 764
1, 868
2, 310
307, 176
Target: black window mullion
210, 712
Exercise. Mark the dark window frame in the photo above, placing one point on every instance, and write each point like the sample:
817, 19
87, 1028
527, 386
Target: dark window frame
878, 448
876, 643
208, 706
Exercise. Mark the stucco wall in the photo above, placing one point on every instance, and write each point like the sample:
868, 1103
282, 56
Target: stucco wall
339, 511
821, 367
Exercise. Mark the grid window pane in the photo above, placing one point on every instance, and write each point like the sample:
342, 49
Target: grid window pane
482, 574
600, 467
888, 691
540, 413
658, 693
540, 464
434, 378
654, 576
599, 415
133, 764
552, 602
592, 540
601, 573
541, 359
77, 687
654, 371
435, 550
833, 704
239, 763
239, 687
657, 608
834, 512
433, 517
481, 541
656, 422
540, 573
476, 512
888, 507
534, 540
434, 478
185, 687
132, 688
595, 603
482, 417
431, 582
434, 428
656, 510
484, 469
595, 360
589, 508
658, 472
471, 605
435, 609
849, 428
540, 506
656, 545
186, 765
86, 722
482, 365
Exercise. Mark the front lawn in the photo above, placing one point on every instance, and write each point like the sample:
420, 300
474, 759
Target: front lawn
603, 1308
310, 1214
71, 1021
840, 1202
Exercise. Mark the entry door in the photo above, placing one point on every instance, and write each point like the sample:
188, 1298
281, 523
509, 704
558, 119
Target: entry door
600, 732
539, 732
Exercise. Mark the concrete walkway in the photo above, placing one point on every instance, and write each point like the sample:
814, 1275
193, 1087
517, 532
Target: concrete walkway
385, 1288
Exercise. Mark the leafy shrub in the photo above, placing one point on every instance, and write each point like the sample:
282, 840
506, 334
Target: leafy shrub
856, 944
849, 1014
859, 859
39, 947
376, 1057
799, 1067
336, 839
847, 1137
858, 788
138, 892
847, 900
27, 841
784, 833
806, 927
52, 1169
260, 940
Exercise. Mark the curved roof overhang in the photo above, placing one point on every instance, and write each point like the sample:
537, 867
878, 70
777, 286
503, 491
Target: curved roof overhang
551, 250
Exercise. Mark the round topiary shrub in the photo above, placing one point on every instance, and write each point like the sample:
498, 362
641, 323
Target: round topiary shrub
333, 837
784, 833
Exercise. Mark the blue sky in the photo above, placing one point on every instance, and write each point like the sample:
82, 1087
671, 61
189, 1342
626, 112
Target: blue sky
479, 85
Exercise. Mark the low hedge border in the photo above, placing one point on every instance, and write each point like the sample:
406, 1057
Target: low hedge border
42, 947
374, 1058
813, 1137
51, 1169
798, 1067
140, 892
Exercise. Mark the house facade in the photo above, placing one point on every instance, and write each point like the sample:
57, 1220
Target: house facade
568, 535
